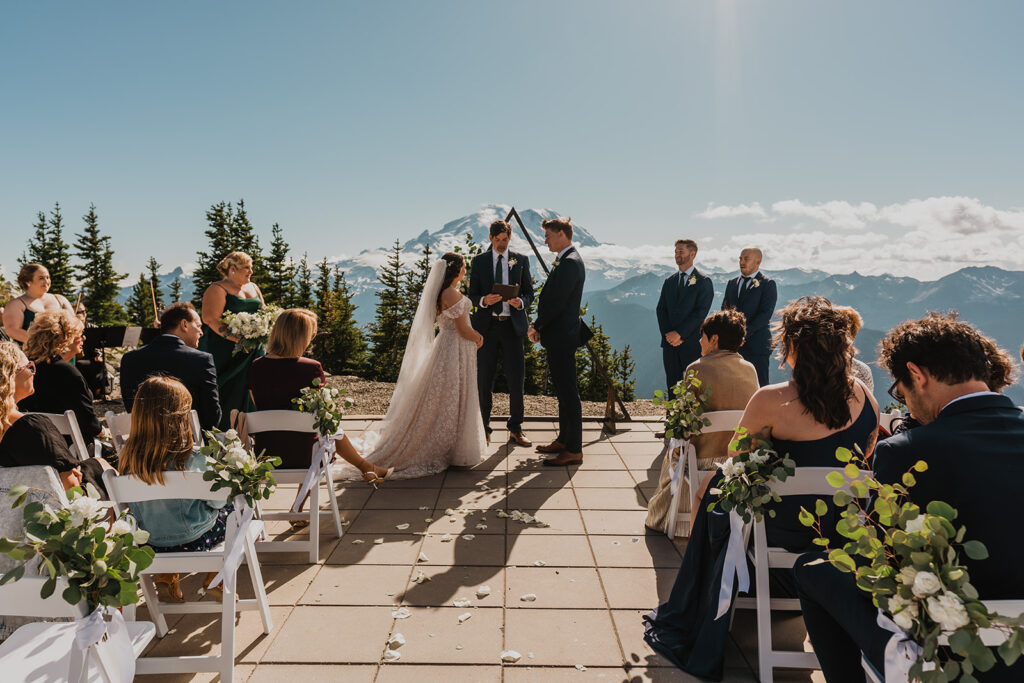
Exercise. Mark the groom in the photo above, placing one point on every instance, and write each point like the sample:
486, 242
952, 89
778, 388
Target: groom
559, 330
502, 324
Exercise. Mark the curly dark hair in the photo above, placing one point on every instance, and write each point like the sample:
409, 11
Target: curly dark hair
819, 334
730, 326
952, 350
453, 268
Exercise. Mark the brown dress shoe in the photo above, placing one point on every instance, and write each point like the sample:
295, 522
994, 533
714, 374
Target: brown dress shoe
565, 458
519, 439
553, 447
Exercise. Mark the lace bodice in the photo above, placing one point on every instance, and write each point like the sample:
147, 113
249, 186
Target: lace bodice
446, 318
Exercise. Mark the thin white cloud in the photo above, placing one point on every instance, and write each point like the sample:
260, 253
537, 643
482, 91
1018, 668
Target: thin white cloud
723, 211
954, 215
835, 214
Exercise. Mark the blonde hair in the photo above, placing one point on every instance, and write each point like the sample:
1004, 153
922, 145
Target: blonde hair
51, 333
236, 259
856, 322
161, 435
292, 332
10, 359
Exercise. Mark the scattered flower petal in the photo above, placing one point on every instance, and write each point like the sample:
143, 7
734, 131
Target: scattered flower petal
378, 541
540, 563
402, 527
462, 602
481, 526
465, 617
447, 538
424, 507
401, 613
423, 558
396, 640
529, 597
420, 578
392, 655
483, 591
358, 541
510, 656
580, 667
468, 537
428, 520
458, 647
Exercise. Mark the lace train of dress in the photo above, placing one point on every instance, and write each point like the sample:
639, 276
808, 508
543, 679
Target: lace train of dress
443, 426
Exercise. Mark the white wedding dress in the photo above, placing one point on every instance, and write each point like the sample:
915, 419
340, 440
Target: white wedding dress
433, 421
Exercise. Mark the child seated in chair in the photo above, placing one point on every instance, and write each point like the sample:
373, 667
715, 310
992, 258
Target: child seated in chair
161, 440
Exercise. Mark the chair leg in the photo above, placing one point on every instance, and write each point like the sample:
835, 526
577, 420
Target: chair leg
256, 576
153, 604
314, 523
334, 501
227, 635
764, 613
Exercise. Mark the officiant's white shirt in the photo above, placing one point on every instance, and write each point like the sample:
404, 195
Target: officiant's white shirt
505, 310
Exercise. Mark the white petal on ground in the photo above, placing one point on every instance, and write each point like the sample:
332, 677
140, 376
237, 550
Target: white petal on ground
447, 538
465, 617
428, 520
458, 647
392, 655
540, 563
378, 541
483, 591
358, 541
580, 667
401, 613
481, 526
529, 597
462, 602
423, 558
510, 656
402, 527
424, 507
396, 640
420, 578
468, 537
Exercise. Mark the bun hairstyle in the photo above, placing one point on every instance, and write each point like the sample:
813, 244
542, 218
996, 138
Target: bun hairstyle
27, 272
818, 334
454, 263
236, 259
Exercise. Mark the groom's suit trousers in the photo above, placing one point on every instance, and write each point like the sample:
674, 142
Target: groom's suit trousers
562, 366
501, 337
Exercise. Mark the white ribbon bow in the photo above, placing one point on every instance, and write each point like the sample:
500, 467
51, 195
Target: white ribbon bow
677, 472
323, 454
233, 557
90, 631
900, 652
735, 569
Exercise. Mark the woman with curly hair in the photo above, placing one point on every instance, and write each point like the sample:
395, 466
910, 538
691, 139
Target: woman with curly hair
808, 417
53, 340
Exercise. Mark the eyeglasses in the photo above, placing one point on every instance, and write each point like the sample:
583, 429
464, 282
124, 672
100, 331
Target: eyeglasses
896, 394
31, 367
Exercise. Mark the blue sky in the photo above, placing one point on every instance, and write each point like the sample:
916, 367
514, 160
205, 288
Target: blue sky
808, 127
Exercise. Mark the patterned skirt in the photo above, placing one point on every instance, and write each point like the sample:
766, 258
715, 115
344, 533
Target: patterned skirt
210, 539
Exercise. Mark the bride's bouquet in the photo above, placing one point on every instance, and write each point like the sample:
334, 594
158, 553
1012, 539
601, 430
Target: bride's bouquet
251, 329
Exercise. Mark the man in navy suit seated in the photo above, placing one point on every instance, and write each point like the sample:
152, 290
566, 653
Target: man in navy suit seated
174, 354
972, 438
754, 295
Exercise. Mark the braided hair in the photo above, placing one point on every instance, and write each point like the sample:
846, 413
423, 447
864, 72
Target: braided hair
453, 267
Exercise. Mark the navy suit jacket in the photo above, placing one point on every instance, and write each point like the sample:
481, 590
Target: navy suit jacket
481, 280
684, 310
558, 307
757, 304
975, 456
169, 356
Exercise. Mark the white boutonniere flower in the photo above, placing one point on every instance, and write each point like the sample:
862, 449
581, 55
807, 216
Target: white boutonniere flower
692, 280
555, 263
755, 283
512, 262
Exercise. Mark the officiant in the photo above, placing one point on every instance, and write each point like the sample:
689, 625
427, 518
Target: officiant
501, 289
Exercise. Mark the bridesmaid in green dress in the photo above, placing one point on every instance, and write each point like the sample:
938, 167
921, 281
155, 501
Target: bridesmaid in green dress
19, 313
235, 293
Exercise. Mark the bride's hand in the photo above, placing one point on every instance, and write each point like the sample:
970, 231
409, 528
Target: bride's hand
479, 340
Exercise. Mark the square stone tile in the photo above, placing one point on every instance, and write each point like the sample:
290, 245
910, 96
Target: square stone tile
398, 548
536, 500
630, 588
555, 587
471, 480
312, 673
241, 673
449, 583
619, 478
634, 449
608, 499
284, 585
593, 462
555, 551
384, 522
352, 495
432, 634
332, 635
632, 434
600, 446
420, 673
548, 478
630, 630
328, 542
484, 550
526, 459
618, 522
637, 673
559, 522
434, 481
199, 634
464, 521
357, 584
646, 552
562, 637
474, 499
401, 499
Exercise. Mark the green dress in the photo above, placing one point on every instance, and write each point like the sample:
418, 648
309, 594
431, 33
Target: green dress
232, 368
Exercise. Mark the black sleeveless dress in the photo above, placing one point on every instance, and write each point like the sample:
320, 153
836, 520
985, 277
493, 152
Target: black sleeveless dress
684, 630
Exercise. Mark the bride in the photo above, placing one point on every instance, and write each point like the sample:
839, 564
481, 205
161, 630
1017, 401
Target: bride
433, 421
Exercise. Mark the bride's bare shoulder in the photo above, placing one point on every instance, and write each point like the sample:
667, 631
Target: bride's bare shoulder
449, 298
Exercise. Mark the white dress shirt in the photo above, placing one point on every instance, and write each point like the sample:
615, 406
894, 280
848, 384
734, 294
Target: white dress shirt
505, 309
743, 282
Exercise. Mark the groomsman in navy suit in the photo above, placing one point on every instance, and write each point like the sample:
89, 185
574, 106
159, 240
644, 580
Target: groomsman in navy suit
684, 304
754, 295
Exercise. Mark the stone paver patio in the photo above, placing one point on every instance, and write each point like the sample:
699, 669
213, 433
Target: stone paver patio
594, 571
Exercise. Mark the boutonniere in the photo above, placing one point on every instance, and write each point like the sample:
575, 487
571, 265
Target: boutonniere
512, 262
556, 262
755, 283
692, 280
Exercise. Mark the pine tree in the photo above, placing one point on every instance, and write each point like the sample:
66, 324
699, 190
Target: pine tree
415, 280
229, 230
468, 251
38, 245
279, 288
622, 372
323, 288
303, 284
140, 304
61, 279
390, 328
153, 268
96, 273
341, 347
175, 290
592, 384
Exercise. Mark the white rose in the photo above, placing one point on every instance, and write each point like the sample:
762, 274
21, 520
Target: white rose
948, 611
140, 536
728, 469
907, 575
915, 525
739, 468
231, 434
903, 611
84, 508
121, 526
925, 583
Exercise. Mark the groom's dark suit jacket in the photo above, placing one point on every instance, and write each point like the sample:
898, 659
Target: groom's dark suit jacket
481, 280
558, 307
757, 304
975, 456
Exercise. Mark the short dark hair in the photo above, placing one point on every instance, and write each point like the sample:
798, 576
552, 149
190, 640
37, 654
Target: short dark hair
689, 244
498, 227
952, 350
563, 225
730, 326
175, 314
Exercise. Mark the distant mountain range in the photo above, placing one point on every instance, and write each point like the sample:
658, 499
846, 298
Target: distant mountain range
623, 286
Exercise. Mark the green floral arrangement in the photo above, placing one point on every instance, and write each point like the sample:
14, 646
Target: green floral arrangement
100, 560
748, 476
909, 562
684, 417
232, 466
326, 404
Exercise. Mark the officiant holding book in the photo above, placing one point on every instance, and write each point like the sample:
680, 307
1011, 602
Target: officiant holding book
501, 289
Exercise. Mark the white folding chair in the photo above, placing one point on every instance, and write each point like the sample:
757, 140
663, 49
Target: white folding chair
67, 425
120, 426
319, 471
41, 651
807, 481
124, 490
686, 470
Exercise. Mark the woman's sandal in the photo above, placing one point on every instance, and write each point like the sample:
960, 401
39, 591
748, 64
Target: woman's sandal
217, 591
374, 479
173, 584
298, 524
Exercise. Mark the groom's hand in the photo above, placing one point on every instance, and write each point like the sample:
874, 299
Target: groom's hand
532, 335
673, 338
491, 299
516, 303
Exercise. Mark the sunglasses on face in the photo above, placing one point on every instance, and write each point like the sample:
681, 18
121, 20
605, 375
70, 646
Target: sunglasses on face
895, 392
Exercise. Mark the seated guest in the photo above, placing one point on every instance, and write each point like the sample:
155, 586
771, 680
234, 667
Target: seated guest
281, 375
860, 369
90, 361
32, 439
161, 440
808, 417
971, 439
175, 354
34, 280
54, 339
732, 381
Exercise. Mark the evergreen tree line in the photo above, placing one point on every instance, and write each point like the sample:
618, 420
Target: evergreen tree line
342, 346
